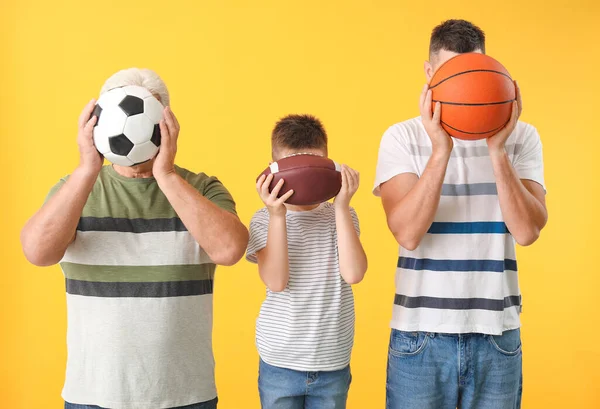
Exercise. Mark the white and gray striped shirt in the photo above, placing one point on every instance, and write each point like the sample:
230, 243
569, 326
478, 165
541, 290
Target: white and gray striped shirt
310, 325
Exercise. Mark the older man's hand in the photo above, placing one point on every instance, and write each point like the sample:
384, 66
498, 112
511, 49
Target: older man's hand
164, 165
90, 160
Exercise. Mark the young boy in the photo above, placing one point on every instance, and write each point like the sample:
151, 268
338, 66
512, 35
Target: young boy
308, 256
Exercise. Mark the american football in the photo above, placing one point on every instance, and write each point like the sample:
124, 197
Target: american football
313, 178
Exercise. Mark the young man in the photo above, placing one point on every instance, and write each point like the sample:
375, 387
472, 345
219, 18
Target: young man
308, 256
138, 247
456, 208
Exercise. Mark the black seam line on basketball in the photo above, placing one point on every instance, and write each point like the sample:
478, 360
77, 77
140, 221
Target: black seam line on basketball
473, 133
474, 104
467, 72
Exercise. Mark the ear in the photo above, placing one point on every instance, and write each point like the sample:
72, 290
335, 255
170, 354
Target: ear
428, 70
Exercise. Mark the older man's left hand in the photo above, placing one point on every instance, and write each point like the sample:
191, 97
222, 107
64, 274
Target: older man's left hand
164, 165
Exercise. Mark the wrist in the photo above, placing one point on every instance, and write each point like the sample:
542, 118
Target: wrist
497, 153
163, 178
87, 172
340, 206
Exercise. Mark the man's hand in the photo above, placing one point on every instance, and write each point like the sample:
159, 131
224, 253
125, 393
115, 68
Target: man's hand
90, 160
275, 206
440, 140
350, 182
164, 164
497, 142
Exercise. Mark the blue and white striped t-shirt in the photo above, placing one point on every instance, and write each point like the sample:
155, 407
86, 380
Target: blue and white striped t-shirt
463, 276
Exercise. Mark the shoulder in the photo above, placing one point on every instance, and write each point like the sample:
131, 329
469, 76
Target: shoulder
405, 133
524, 133
201, 181
260, 217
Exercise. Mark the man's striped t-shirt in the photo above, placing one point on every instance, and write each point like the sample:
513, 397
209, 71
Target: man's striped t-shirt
139, 298
309, 326
463, 276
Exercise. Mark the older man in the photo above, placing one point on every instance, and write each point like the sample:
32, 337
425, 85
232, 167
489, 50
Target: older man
138, 247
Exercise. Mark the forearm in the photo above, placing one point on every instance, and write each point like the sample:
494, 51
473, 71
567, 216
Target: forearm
412, 216
352, 257
273, 264
220, 233
49, 232
523, 213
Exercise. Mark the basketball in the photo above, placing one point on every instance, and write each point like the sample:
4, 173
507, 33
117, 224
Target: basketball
476, 93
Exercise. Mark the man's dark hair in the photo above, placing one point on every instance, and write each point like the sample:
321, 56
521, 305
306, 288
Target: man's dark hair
459, 36
299, 132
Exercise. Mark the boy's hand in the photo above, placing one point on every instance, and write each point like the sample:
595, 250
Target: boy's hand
350, 182
275, 206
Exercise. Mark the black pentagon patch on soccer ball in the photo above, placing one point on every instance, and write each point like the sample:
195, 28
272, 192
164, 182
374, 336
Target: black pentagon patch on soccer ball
120, 145
96, 113
132, 105
156, 135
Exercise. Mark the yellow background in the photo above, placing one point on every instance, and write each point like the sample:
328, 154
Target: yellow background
234, 68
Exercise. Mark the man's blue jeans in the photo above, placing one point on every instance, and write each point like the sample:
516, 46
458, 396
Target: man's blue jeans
449, 371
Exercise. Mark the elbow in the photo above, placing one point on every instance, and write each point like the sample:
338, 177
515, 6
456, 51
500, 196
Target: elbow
233, 252
277, 287
34, 254
354, 279
409, 242
527, 238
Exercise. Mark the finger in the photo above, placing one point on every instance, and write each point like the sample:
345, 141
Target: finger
437, 112
89, 126
265, 186
515, 114
175, 119
84, 117
422, 96
354, 178
519, 99
165, 136
284, 197
276, 189
260, 181
168, 118
344, 177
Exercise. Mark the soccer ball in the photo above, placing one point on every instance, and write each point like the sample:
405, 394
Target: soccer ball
127, 131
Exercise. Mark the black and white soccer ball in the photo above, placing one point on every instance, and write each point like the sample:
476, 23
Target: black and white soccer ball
127, 130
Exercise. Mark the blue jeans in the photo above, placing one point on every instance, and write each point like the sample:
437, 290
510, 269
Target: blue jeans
281, 388
449, 371
211, 404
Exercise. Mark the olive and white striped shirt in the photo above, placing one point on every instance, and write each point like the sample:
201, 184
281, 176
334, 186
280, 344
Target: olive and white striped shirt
310, 325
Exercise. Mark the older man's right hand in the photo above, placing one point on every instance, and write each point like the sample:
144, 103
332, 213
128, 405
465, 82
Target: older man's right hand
90, 159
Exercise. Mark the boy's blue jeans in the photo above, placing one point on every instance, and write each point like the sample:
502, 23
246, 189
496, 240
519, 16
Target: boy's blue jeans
281, 388
449, 371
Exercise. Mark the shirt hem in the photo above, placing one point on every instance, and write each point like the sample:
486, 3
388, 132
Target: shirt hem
316, 368
452, 329
166, 404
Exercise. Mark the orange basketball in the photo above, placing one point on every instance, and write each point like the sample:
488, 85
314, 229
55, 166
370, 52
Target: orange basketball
476, 93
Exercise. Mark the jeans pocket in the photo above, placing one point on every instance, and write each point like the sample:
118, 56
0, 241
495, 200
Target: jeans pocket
404, 344
509, 343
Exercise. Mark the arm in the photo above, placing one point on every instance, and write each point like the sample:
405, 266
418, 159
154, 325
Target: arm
219, 232
352, 257
523, 202
410, 202
273, 264
49, 232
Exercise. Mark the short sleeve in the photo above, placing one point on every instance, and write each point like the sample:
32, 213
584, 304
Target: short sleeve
528, 160
217, 193
395, 156
259, 228
55, 188
355, 220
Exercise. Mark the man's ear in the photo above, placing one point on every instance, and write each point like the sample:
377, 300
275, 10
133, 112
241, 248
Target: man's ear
428, 70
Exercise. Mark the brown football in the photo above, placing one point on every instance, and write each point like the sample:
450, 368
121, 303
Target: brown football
313, 178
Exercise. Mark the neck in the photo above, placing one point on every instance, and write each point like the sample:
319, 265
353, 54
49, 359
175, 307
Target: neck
295, 208
143, 170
